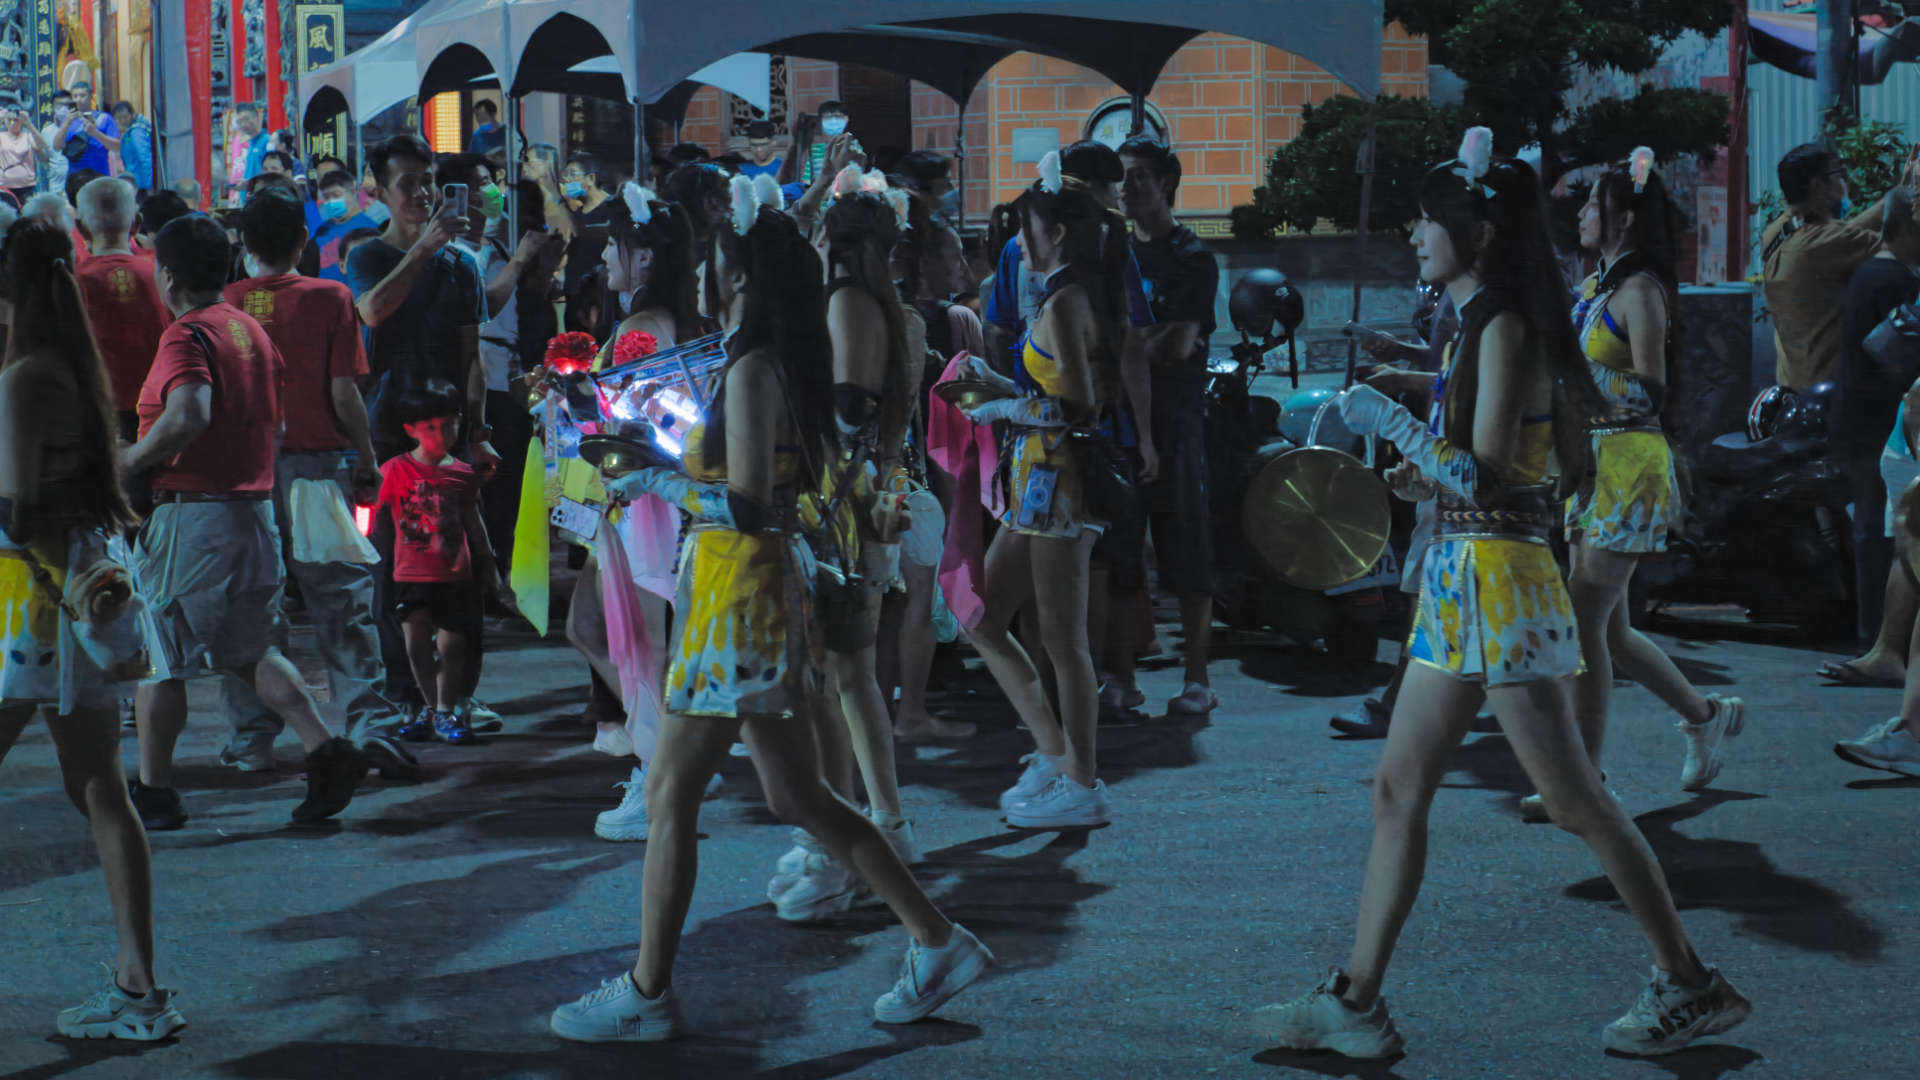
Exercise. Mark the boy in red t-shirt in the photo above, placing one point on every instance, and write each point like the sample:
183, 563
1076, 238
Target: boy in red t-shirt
441, 560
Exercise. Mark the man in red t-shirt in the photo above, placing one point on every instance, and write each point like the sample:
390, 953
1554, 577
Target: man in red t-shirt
313, 324
209, 555
116, 285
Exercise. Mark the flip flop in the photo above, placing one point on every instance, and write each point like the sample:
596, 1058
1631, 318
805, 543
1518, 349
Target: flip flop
1843, 673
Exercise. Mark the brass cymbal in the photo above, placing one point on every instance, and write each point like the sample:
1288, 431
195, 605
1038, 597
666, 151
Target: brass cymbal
615, 456
1317, 517
969, 394
1906, 525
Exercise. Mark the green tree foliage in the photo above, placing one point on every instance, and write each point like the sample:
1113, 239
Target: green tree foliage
1874, 154
1314, 176
1518, 59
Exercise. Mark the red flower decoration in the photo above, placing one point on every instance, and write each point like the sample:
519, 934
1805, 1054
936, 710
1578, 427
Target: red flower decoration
633, 345
570, 353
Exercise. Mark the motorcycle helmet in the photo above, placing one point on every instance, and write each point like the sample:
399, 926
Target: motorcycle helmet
1764, 416
1262, 298
1811, 413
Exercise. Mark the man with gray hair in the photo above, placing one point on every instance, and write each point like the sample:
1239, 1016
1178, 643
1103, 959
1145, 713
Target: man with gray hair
188, 189
118, 290
53, 207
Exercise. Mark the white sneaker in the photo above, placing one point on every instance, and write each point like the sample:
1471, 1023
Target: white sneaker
1703, 741
825, 889
1195, 700
1668, 1016
613, 740
714, 784
739, 749
899, 834
929, 978
786, 869
617, 1013
628, 821
1063, 804
1320, 1020
1039, 771
112, 1013
1885, 747
1116, 699
1533, 808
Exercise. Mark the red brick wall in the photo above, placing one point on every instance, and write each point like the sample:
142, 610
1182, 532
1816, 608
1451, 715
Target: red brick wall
1228, 103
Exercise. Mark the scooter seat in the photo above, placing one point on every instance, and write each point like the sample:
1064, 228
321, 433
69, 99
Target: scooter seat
1734, 457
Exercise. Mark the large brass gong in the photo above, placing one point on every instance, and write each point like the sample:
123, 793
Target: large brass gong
1317, 517
616, 456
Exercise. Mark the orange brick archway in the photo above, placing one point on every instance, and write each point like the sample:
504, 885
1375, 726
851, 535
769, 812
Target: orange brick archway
1228, 101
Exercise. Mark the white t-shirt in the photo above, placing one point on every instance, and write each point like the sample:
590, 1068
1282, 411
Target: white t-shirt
54, 135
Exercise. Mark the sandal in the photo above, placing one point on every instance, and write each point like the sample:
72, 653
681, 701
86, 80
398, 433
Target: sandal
1844, 673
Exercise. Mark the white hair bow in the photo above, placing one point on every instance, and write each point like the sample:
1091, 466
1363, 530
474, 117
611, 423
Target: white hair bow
746, 205
1476, 157
1051, 177
639, 202
1640, 166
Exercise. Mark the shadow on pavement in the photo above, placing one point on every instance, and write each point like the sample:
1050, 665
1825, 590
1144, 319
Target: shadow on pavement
1885, 782
86, 1053
1699, 1062
1736, 876
1328, 1063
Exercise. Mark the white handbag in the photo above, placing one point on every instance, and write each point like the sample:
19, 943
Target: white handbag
322, 526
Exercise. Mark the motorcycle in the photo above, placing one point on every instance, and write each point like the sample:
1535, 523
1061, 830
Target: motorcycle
1766, 524
1247, 436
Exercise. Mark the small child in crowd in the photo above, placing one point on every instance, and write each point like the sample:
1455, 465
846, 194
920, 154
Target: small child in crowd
442, 561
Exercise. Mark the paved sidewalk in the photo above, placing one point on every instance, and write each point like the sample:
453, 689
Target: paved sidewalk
430, 934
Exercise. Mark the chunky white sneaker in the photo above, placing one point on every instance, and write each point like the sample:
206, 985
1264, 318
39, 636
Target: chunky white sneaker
1533, 808
786, 869
929, 978
613, 740
1039, 770
825, 889
1885, 747
1668, 1016
1195, 700
112, 1013
617, 1013
714, 784
1063, 804
1115, 698
899, 834
739, 749
628, 821
1703, 741
1320, 1020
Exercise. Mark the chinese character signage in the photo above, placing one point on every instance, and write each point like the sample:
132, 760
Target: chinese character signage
318, 32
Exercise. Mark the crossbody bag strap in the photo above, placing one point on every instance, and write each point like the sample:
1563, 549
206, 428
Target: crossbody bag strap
840, 486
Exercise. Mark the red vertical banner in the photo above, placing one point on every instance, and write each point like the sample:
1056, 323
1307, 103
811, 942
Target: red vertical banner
276, 86
200, 88
237, 49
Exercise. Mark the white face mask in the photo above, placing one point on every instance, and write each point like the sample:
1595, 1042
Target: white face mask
251, 264
833, 126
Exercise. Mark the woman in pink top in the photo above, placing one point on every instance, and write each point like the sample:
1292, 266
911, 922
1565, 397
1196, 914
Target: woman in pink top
20, 152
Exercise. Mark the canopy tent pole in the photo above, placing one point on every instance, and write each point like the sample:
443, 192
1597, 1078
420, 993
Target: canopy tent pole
642, 164
960, 159
1366, 164
512, 101
1139, 126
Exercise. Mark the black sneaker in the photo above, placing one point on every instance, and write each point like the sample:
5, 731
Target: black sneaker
333, 772
384, 753
159, 808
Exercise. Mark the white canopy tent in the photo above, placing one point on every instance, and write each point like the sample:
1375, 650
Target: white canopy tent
379, 75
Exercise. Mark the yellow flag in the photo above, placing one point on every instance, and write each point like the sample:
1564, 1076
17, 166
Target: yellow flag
529, 575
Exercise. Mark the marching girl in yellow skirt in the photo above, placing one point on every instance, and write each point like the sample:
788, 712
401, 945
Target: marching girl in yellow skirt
1495, 623
1624, 319
743, 662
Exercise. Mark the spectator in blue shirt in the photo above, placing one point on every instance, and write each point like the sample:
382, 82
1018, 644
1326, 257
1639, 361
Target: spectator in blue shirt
246, 122
97, 128
136, 145
488, 135
339, 215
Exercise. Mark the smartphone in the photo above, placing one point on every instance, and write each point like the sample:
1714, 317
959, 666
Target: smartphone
453, 200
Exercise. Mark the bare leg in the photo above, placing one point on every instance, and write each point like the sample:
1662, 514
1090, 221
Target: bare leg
1099, 606
1061, 569
832, 746
160, 712
1910, 700
88, 742
1196, 624
454, 663
1888, 656
418, 631
1009, 588
282, 690
1632, 651
1535, 719
1428, 723
13, 721
791, 777
916, 657
688, 751
1594, 599
868, 725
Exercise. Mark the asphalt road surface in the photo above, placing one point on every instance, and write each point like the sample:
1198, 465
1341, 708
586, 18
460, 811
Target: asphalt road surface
431, 932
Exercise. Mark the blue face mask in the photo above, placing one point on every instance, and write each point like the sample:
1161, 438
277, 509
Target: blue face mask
576, 190
333, 209
833, 126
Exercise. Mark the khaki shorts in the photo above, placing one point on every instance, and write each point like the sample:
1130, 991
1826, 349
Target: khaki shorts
212, 575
